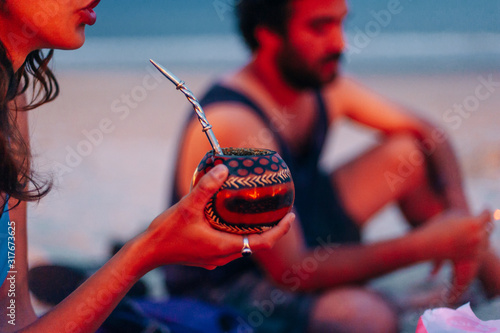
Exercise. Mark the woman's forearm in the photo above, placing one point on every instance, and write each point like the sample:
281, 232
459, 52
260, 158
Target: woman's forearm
88, 306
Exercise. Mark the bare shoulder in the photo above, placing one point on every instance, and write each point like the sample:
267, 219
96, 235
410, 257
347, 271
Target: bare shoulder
234, 122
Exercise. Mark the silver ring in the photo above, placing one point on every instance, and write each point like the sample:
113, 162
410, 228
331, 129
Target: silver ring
246, 251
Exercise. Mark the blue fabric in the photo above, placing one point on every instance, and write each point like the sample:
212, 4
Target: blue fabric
172, 315
190, 315
4, 242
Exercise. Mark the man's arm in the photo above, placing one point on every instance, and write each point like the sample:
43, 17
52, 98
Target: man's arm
348, 98
293, 266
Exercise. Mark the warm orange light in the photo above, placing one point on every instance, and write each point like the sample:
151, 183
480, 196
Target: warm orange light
496, 214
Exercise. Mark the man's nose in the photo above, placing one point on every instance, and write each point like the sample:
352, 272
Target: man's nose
335, 40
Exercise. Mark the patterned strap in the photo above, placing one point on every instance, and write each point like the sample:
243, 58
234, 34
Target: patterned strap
219, 93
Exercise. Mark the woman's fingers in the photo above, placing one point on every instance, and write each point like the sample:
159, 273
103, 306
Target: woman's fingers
214, 247
267, 239
208, 185
233, 244
258, 242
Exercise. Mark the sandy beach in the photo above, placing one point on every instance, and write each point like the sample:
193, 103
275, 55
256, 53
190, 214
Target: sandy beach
109, 140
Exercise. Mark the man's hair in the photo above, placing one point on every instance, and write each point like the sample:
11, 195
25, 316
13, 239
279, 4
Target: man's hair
272, 14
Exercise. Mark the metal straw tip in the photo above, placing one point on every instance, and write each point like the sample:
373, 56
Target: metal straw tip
154, 63
174, 79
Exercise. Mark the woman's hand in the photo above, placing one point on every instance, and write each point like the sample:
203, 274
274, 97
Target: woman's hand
182, 235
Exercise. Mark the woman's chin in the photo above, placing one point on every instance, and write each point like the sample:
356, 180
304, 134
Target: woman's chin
66, 42
72, 41
79, 38
72, 44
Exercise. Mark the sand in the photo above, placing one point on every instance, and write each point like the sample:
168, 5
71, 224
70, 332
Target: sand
109, 140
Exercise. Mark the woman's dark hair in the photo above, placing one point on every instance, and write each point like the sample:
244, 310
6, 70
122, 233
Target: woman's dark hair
16, 178
273, 14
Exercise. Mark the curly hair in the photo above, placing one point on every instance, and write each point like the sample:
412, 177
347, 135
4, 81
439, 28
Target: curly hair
273, 14
16, 178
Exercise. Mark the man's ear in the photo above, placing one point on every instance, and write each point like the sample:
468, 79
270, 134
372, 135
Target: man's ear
268, 39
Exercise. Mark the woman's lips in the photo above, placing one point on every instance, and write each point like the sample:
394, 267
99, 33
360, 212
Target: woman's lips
88, 14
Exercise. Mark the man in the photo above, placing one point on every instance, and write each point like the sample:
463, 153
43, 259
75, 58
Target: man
286, 98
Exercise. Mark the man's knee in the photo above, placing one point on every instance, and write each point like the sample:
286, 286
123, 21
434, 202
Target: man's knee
406, 146
408, 159
353, 310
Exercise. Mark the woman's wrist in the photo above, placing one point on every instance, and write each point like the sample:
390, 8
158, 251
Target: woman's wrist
137, 255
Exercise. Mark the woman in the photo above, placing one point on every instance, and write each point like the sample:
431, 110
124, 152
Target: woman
26, 27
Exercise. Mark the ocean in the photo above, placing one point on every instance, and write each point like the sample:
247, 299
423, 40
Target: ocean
382, 36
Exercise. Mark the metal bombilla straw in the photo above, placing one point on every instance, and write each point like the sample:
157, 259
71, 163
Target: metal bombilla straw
181, 85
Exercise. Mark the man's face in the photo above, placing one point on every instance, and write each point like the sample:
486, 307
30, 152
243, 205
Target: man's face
310, 52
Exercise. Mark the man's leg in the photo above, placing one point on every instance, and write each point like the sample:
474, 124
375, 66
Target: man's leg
391, 173
394, 171
352, 310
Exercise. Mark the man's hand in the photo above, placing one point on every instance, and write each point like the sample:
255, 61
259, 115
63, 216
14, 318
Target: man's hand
462, 239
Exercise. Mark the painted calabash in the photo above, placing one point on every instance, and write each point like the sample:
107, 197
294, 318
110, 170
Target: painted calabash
257, 194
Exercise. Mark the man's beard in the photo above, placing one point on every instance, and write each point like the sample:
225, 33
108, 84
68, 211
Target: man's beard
298, 75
